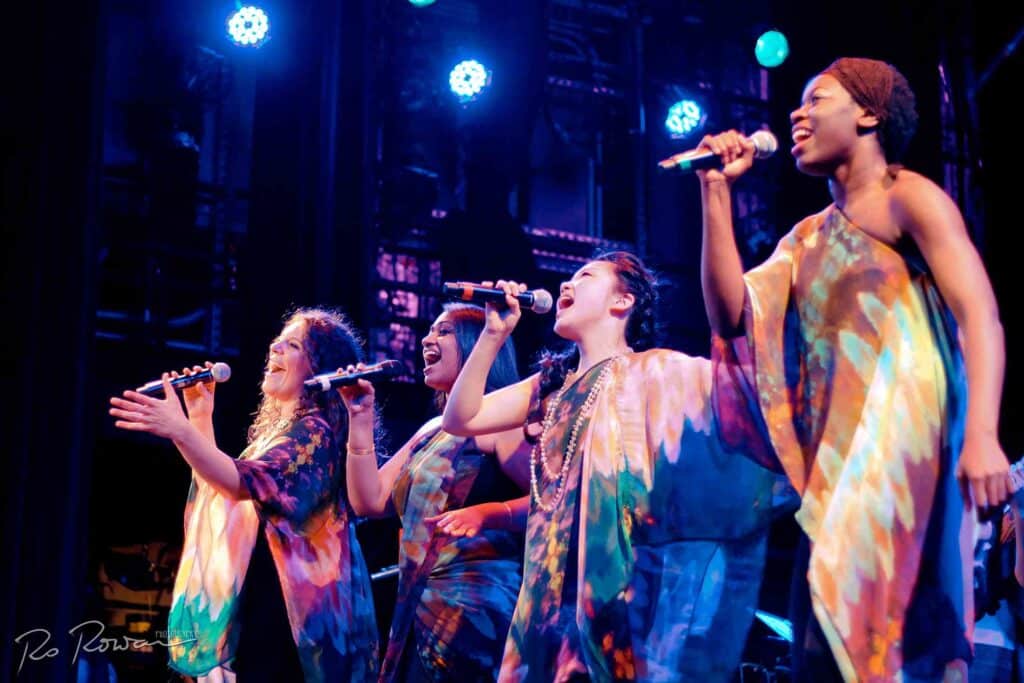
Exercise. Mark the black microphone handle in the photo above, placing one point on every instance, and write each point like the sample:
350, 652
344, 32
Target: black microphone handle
385, 369
467, 291
156, 387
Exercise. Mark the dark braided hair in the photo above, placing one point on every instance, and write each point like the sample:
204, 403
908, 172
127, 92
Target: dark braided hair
330, 343
641, 326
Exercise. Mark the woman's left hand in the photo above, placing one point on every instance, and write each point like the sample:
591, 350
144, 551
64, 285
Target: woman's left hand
984, 469
462, 522
140, 413
358, 397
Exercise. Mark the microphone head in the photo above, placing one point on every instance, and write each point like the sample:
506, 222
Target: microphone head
542, 301
221, 372
765, 144
389, 368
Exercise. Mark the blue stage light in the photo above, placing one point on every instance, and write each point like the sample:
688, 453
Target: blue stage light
249, 26
684, 117
468, 78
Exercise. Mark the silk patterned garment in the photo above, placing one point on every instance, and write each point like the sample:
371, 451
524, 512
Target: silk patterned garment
296, 484
455, 594
649, 569
855, 370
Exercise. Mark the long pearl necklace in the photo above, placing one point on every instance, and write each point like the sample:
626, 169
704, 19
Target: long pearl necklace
560, 478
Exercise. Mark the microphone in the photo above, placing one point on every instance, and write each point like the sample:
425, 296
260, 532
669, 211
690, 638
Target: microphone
765, 145
537, 300
386, 369
218, 372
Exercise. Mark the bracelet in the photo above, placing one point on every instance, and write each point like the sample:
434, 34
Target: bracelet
359, 451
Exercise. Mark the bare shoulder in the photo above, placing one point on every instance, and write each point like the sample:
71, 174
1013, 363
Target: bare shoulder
912, 191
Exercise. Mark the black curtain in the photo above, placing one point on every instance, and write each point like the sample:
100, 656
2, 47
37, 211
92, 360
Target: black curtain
49, 207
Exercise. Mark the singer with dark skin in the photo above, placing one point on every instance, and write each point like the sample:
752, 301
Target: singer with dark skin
858, 339
272, 585
645, 541
463, 516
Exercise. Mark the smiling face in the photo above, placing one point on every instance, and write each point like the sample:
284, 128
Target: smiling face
287, 364
826, 126
592, 295
441, 355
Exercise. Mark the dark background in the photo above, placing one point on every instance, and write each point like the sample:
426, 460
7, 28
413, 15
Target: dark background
168, 195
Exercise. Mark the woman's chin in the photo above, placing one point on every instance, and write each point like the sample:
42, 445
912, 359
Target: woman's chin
565, 330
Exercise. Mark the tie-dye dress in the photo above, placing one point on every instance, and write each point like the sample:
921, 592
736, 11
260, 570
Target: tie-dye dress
455, 594
649, 568
855, 369
296, 484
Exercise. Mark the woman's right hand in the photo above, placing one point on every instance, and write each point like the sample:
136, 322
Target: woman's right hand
359, 397
198, 397
501, 320
735, 151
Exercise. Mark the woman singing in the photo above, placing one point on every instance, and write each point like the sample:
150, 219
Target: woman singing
462, 509
272, 585
857, 373
645, 540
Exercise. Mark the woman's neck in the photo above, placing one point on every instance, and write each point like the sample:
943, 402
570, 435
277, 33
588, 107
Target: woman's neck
861, 174
594, 350
287, 408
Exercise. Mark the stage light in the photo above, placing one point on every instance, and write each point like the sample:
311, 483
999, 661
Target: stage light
249, 26
468, 78
684, 117
771, 49
421, 3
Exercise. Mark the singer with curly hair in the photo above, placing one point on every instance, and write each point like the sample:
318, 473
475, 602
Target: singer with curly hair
272, 585
858, 339
645, 540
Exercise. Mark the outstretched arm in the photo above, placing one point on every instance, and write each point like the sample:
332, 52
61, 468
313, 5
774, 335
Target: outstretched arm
166, 418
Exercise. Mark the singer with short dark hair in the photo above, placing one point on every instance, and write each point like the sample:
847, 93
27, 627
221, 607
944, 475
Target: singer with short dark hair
463, 513
644, 543
858, 338
272, 585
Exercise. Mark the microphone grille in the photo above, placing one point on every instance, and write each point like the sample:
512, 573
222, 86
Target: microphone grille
542, 301
765, 144
221, 372
391, 368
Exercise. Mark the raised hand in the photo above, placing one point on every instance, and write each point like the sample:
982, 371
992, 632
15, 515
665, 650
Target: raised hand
359, 398
162, 417
735, 151
198, 398
501, 320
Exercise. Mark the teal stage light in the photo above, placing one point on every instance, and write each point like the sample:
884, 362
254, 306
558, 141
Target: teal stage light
772, 49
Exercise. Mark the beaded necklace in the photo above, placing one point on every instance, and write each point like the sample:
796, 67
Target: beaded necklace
538, 452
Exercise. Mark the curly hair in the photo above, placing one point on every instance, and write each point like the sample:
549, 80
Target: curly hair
468, 321
642, 330
329, 342
896, 131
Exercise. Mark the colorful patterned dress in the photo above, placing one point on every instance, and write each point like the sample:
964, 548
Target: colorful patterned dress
296, 481
856, 371
649, 569
455, 594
